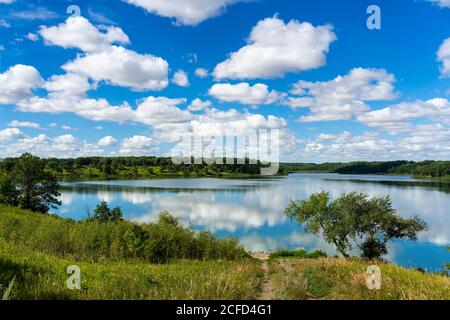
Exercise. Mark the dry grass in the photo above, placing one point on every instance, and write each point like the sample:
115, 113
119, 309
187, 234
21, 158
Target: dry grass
334, 278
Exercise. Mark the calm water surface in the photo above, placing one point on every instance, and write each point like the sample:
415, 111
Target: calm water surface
252, 210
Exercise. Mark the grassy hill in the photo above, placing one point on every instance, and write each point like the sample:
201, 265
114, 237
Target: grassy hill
165, 260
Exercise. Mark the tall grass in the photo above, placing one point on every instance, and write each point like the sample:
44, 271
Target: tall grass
42, 276
158, 242
337, 278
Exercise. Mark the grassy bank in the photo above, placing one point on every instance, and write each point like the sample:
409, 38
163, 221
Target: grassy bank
161, 241
43, 276
164, 260
336, 278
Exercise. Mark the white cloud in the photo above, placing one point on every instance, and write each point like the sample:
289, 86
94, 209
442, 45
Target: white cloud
394, 118
138, 145
444, 57
17, 83
181, 79
103, 61
431, 141
70, 85
93, 109
24, 124
158, 110
441, 3
201, 73
32, 37
10, 133
344, 96
107, 141
122, 67
186, 12
65, 146
244, 93
275, 48
199, 105
7, 1
78, 32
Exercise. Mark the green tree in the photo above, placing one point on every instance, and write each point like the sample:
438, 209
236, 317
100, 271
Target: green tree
355, 217
9, 194
103, 213
38, 188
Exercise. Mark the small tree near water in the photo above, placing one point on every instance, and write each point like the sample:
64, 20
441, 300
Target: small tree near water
355, 217
104, 214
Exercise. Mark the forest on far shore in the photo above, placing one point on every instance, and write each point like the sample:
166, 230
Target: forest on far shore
142, 167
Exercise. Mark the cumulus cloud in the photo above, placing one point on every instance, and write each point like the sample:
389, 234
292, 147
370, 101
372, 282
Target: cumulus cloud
93, 109
122, 67
103, 61
107, 141
17, 83
181, 79
138, 145
275, 48
430, 141
199, 105
443, 56
201, 73
157, 110
186, 12
244, 93
7, 1
10, 133
70, 85
24, 124
395, 118
344, 96
65, 146
78, 32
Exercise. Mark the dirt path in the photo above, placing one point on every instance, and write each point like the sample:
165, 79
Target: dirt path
267, 288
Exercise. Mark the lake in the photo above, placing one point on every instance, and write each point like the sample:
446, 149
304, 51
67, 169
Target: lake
251, 210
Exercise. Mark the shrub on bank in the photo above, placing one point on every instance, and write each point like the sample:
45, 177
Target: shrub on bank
302, 254
162, 241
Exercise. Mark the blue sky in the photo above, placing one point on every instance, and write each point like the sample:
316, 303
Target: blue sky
130, 77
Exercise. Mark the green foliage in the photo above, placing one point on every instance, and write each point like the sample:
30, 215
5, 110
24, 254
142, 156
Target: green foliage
355, 216
138, 167
9, 194
302, 254
103, 213
162, 241
29, 186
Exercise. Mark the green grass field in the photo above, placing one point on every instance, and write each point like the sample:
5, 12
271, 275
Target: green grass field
117, 261
41, 276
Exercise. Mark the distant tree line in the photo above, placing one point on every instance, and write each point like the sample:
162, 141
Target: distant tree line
147, 167
420, 169
135, 167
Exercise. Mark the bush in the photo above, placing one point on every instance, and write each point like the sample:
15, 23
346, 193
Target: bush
302, 254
